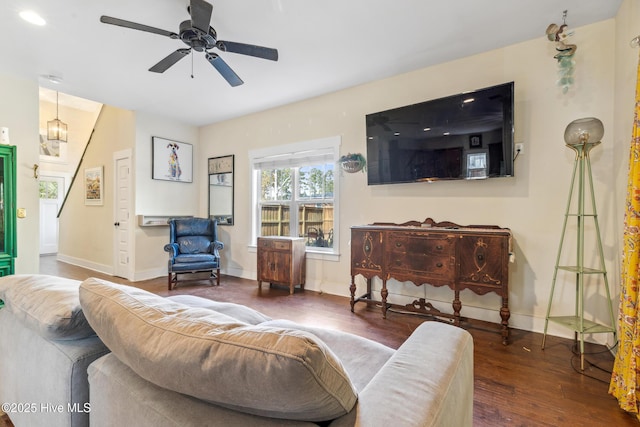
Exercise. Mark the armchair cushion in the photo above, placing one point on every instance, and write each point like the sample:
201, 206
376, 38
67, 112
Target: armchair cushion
194, 244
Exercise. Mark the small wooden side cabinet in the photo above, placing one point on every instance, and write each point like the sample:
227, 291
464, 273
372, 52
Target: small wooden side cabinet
281, 261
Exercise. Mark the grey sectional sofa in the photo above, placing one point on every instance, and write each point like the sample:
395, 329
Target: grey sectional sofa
188, 361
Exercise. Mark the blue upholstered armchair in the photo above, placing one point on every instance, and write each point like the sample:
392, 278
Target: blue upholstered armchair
193, 248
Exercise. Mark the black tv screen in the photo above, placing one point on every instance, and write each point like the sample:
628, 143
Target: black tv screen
464, 136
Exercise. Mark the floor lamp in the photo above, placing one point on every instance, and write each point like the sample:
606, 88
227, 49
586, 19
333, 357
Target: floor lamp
582, 136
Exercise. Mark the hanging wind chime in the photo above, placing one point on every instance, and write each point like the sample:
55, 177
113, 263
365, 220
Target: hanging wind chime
565, 52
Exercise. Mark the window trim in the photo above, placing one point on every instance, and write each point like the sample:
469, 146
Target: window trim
297, 150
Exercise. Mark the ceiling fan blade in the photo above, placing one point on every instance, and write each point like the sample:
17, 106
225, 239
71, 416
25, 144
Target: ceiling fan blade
229, 75
136, 26
248, 49
200, 12
170, 60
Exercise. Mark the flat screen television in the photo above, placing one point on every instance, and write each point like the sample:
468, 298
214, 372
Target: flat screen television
465, 136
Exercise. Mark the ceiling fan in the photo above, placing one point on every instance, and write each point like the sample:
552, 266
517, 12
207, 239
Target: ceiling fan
198, 35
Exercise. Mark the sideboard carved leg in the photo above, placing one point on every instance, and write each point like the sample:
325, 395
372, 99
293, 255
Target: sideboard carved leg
384, 293
352, 288
457, 306
505, 314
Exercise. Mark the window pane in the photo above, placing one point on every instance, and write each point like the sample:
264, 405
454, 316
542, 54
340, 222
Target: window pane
316, 182
276, 184
274, 220
48, 189
316, 224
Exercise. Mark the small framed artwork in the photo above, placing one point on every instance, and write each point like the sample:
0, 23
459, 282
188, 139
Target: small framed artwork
93, 186
475, 141
221, 165
172, 160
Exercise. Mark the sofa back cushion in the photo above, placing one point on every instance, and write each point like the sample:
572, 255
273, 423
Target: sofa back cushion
237, 311
266, 371
46, 304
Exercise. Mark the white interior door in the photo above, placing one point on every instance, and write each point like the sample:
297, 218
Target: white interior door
122, 223
52, 190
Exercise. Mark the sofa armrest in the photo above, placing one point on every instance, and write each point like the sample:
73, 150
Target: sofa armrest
427, 382
172, 248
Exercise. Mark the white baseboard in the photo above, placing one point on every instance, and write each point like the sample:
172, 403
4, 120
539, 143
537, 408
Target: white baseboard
100, 268
149, 274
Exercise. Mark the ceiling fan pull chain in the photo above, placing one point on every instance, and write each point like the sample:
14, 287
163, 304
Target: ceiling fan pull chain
191, 66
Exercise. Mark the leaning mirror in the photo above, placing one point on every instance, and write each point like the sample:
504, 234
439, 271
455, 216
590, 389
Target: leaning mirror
221, 189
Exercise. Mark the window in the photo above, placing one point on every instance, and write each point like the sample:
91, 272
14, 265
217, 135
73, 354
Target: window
48, 189
477, 165
295, 193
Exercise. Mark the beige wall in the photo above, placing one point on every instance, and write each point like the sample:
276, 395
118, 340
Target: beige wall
80, 124
532, 203
155, 197
86, 232
19, 112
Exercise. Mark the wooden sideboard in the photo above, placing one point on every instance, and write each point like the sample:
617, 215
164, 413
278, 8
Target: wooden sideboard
438, 254
281, 261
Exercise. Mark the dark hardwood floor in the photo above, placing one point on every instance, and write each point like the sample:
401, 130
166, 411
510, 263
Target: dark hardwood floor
515, 385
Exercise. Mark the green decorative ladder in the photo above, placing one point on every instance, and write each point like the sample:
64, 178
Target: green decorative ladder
577, 322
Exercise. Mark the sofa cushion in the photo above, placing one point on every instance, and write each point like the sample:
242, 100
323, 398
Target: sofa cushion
47, 304
237, 311
267, 371
362, 358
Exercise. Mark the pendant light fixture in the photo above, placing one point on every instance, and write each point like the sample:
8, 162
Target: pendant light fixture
57, 129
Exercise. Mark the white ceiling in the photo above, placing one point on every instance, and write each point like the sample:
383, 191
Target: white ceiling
324, 46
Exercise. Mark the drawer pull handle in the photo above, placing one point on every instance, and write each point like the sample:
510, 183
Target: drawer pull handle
439, 247
398, 244
439, 265
480, 257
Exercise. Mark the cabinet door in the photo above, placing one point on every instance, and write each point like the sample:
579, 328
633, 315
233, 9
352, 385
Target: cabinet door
482, 262
366, 252
7, 208
276, 267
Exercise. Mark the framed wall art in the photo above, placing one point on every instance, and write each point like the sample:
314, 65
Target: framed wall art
52, 151
171, 160
475, 141
93, 186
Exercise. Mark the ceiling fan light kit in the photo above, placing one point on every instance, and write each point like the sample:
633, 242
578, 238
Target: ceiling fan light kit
199, 36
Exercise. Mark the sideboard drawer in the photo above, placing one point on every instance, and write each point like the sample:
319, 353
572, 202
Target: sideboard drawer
422, 265
278, 245
427, 245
